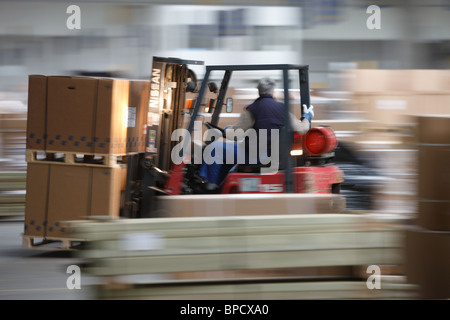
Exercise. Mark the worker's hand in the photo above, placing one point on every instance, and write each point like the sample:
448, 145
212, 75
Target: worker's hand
308, 112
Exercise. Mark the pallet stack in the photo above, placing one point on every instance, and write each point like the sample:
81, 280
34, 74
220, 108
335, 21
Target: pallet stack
12, 194
243, 257
388, 100
80, 131
428, 243
12, 141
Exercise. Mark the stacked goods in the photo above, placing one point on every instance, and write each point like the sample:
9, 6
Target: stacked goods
85, 115
80, 131
250, 204
428, 243
12, 193
138, 98
12, 161
387, 97
56, 193
12, 141
296, 256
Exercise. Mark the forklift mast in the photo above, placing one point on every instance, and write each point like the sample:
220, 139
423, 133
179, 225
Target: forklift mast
168, 82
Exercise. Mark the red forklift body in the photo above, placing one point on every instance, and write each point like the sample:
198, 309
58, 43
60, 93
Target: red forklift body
306, 180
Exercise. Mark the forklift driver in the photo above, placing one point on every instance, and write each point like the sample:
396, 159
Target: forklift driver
264, 113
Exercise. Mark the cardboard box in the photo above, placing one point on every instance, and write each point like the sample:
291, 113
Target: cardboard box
433, 129
36, 200
78, 114
434, 152
111, 117
433, 172
430, 81
57, 193
434, 215
432, 104
139, 92
428, 262
71, 108
37, 111
249, 204
433, 135
377, 81
387, 108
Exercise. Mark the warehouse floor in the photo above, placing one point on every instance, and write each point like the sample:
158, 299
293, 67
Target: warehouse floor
30, 274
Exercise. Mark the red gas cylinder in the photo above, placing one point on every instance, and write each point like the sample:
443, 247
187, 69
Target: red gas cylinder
320, 140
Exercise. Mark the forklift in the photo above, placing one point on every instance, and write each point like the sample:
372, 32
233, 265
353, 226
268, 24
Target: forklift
307, 161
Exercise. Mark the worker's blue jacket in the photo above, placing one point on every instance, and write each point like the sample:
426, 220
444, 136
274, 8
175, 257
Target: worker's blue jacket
268, 114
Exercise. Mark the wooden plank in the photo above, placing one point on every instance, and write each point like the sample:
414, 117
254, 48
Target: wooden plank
286, 258
12, 180
12, 185
211, 232
204, 226
262, 291
12, 198
243, 230
13, 176
205, 245
12, 210
226, 221
219, 244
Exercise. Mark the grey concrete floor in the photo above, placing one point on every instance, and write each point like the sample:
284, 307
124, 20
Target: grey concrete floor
32, 274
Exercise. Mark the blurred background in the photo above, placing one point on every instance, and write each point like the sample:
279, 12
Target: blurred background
357, 74
368, 84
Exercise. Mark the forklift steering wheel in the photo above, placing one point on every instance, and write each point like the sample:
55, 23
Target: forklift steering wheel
212, 126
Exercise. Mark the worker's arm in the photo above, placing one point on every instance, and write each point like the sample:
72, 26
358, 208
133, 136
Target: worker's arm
303, 125
299, 125
245, 122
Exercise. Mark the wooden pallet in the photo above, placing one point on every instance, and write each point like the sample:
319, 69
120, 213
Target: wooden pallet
261, 289
52, 243
75, 158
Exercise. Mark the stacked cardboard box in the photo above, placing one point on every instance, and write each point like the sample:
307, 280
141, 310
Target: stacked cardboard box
389, 101
250, 204
434, 174
12, 141
85, 115
428, 243
56, 193
82, 116
387, 97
